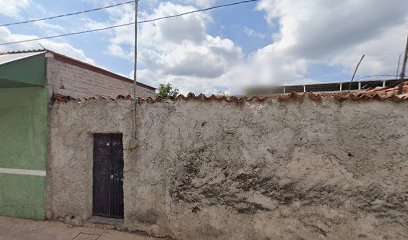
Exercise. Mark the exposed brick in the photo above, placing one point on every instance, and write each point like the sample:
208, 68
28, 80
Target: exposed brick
77, 82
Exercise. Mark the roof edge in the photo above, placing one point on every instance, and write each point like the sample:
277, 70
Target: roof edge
23, 51
78, 63
93, 68
10, 61
372, 94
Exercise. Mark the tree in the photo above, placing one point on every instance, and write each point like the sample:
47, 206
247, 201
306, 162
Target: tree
222, 94
166, 90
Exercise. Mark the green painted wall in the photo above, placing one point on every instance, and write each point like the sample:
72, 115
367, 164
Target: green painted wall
23, 141
23, 126
22, 196
28, 72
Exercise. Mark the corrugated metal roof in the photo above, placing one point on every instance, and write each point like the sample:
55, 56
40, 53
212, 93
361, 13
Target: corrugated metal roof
11, 57
379, 93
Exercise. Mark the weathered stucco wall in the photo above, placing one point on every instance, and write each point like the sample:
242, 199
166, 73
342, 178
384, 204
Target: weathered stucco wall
69, 173
256, 170
70, 80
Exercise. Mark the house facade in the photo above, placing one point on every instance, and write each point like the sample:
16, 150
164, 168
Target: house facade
27, 82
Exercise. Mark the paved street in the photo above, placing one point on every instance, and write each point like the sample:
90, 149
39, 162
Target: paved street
21, 229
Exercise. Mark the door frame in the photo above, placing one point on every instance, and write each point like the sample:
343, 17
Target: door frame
92, 209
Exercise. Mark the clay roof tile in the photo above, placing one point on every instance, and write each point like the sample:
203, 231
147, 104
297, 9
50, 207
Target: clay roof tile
378, 93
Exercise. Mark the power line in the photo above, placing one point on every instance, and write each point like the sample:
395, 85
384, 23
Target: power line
65, 15
380, 54
66, 34
128, 24
196, 11
379, 75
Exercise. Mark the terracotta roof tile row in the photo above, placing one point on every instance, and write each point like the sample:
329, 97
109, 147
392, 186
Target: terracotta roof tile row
378, 93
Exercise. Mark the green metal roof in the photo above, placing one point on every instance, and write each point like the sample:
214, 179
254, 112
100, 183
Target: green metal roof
22, 69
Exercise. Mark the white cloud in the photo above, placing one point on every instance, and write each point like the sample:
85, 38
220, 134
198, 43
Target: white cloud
252, 33
59, 47
13, 8
182, 50
332, 33
195, 3
316, 32
201, 3
48, 28
175, 50
319, 28
381, 52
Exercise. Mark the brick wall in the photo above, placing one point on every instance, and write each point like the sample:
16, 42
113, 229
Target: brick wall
75, 81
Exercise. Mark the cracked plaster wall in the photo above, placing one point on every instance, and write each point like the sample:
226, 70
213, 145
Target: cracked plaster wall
256, 170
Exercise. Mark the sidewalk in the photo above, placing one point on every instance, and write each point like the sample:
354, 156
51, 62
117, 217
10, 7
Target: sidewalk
22, 229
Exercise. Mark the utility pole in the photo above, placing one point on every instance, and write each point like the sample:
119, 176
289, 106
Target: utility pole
404, 65
398, 65
135, 58
135, 72
355, 70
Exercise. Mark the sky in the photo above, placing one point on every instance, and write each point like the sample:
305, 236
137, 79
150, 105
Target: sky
264, 43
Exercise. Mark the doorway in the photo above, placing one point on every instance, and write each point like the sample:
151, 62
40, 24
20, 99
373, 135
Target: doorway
108, 176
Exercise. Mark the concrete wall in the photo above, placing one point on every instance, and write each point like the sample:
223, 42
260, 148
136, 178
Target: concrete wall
23, 141
71, 152
78, 82
256, 170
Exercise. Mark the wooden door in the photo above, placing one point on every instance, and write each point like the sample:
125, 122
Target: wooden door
108, 175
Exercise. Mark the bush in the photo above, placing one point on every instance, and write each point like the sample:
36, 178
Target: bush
166, 90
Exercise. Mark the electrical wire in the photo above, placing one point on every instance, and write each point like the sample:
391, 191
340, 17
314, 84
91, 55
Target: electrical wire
65, 15
67, 34
128, 24
371, 76
199, 10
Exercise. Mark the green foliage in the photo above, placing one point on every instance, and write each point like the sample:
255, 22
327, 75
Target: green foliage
166, 90
249, 93
222, 94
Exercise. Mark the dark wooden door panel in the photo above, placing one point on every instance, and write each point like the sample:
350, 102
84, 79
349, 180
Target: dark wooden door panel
117, 170
108, 175
102, 144
117, 145
101, 185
